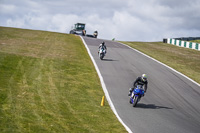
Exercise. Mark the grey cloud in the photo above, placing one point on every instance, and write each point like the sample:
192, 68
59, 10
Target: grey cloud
174, 4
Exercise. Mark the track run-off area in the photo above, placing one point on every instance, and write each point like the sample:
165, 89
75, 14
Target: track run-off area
172, 101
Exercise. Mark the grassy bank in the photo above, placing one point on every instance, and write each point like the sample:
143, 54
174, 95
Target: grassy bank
48, 84
186, 61
196, 41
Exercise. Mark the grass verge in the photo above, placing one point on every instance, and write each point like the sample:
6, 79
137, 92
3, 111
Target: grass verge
196, 41
49, 84
186, 61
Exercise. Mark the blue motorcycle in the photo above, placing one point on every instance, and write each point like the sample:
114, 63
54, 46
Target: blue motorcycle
136, 95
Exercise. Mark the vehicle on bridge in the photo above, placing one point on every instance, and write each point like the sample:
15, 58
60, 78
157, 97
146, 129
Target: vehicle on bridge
79, 29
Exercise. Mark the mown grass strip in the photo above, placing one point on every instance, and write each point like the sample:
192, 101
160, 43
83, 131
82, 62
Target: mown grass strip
49, 84
186, 61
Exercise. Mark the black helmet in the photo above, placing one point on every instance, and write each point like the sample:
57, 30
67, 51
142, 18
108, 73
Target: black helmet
103, 43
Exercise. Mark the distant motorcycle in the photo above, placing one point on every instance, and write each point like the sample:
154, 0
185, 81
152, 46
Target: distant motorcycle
102, 53
95, 34
136, 95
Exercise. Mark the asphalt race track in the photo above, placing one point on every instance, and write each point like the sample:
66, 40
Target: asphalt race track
172, 102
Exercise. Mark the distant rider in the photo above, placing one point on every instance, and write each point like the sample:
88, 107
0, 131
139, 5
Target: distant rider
102, 45
95, 33
140, 81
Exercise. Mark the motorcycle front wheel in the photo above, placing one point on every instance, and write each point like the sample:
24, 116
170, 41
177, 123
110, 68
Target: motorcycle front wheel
135, 101
101, 56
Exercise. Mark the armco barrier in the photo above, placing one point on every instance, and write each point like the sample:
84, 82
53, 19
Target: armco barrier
185, 44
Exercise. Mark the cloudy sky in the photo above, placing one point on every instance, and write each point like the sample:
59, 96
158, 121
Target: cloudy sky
124, 20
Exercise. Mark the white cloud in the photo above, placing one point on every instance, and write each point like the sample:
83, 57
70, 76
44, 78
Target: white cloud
130, 20
7, 9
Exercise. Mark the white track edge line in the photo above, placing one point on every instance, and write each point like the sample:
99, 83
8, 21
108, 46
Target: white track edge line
105, 89
163, 64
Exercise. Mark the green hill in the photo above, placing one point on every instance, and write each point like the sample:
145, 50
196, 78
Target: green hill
184, 60
49, 84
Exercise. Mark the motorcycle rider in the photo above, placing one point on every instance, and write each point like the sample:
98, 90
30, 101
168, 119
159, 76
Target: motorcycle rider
95, 34
139, 81
103, 46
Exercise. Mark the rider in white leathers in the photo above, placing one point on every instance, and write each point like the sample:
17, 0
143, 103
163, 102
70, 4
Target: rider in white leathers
103, 46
